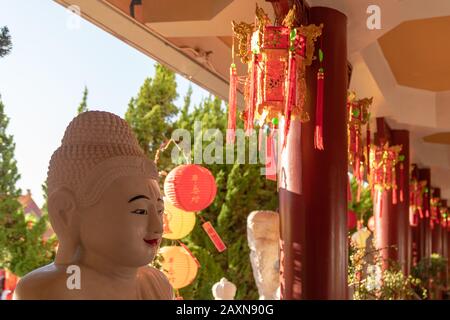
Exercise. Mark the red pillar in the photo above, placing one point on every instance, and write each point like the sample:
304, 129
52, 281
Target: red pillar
401, 209
392, 226
436, 231
314, 224
425, 230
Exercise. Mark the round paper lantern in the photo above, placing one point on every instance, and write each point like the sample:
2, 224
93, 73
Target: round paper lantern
190, 187
371, 224
351, 219
178, 265
177, 223
360, 237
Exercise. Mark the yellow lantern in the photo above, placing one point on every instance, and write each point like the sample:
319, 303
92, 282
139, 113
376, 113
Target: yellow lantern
177, 223
178, 265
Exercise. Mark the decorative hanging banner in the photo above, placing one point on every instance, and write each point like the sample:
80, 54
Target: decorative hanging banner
214, 236
383, 160
276, 58
358, 116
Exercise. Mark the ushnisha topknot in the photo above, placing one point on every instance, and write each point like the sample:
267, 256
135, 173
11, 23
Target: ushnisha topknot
97, 148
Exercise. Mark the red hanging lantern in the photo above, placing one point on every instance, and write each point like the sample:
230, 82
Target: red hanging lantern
351, 220
276, 58
383, 160
190, 187
358, 116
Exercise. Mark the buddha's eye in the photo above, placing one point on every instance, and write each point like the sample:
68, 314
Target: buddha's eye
139, 211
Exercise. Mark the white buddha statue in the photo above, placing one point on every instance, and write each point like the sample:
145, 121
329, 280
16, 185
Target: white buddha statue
105, 207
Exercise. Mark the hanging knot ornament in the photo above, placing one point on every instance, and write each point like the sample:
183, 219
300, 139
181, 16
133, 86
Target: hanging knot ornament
358, 117
435, 203
416, 198
383, 161
276, 58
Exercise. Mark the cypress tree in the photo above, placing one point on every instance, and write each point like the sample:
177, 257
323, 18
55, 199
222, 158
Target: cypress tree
21, 246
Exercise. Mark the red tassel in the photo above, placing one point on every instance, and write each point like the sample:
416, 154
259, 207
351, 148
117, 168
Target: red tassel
420, 212
231, 132
349, 190
271, 171
318, 133
394, 195
402, 181
189, 252
369, 137
291, 94
252, 97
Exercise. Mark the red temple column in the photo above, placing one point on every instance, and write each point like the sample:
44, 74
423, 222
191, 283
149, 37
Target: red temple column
425, 230
401, 209
392, 232
314, 223
436, 230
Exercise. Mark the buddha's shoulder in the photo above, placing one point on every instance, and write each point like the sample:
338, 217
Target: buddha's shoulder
154, 284
41, 283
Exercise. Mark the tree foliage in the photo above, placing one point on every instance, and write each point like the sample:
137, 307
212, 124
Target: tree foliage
151, 113
82, 107
22, 248
5, 42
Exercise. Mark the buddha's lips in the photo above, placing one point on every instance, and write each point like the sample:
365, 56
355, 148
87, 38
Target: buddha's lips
152, 242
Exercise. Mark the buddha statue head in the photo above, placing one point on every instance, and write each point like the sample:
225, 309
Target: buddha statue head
103, 195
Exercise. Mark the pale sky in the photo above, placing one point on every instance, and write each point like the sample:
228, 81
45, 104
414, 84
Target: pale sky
42, 80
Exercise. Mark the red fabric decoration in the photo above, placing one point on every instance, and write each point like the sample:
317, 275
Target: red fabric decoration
231, 132
351, 220
214, 236
190, 187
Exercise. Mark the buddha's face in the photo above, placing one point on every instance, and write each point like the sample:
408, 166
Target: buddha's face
125, 226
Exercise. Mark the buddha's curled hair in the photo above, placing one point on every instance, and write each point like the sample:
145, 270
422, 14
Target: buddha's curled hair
97, 148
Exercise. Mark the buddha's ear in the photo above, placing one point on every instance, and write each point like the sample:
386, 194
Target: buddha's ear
65, 220
62, 209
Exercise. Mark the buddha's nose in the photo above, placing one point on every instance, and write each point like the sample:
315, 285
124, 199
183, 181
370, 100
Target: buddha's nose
155, 224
